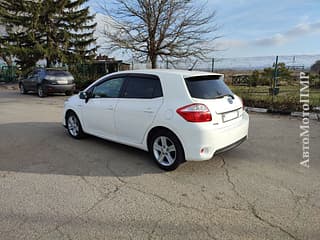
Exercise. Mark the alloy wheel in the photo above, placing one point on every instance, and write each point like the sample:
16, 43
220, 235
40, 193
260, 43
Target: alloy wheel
40, 91
73, 125
164, 151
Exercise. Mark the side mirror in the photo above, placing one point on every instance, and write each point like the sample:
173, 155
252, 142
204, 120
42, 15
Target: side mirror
83, 95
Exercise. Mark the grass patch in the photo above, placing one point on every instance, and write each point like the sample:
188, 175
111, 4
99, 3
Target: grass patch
287, 100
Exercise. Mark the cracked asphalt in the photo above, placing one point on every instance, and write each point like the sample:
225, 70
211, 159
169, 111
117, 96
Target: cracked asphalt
55, 187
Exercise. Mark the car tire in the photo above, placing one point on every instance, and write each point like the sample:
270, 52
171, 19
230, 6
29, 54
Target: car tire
69, 93
41, 91
74, 126
166, 150
22, 89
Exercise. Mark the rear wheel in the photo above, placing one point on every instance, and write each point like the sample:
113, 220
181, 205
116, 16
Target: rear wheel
41, 91
74, 126
22, 89
166, 150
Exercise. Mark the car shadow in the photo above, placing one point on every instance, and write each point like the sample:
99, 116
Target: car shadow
16, 95
46, 148
34, 94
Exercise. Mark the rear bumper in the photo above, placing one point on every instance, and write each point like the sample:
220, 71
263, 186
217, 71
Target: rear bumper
203, 143
231, 146
50, 88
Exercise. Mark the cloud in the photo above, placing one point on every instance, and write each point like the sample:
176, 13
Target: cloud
295, 32
303, 28
277, 39
230, 43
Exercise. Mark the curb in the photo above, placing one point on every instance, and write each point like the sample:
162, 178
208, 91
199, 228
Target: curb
312, 115
258, 110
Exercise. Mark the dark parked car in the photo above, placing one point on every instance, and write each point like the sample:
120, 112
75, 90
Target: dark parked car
48, 80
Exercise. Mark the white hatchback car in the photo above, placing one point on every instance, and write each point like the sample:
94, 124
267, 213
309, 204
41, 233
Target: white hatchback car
175, 115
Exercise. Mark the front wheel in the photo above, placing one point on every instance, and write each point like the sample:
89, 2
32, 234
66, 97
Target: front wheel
41, 91
74, 126
166, 150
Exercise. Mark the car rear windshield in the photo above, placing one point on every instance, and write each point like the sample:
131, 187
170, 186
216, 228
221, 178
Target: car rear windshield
207, 87
58, 73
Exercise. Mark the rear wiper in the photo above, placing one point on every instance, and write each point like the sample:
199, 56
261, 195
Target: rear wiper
225, 95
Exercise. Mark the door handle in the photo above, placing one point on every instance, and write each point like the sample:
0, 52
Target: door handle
109, 108
148, 110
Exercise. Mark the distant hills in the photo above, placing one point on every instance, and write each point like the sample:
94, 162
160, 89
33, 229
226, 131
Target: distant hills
265, 61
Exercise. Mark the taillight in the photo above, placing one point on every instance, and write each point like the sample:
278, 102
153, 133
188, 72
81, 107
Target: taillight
195, 113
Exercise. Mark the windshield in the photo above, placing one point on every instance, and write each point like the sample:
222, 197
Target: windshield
207, 87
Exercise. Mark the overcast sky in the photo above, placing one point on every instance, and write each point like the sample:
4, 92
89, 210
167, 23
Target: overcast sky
264, 28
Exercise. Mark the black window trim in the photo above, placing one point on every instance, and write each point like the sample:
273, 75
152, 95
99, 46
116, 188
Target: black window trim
125, 83
205, 77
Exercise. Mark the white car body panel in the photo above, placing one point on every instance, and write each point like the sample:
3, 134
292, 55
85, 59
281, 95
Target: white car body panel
133, 117
102, 109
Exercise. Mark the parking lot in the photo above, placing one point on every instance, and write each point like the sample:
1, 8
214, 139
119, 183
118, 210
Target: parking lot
55, 187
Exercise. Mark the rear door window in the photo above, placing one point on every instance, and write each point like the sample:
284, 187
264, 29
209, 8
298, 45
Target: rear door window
142, 87
207, 87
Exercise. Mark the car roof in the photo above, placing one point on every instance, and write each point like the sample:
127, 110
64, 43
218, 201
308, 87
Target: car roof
183, 73
162, 73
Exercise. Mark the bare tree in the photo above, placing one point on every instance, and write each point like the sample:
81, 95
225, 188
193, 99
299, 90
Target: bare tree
170, 29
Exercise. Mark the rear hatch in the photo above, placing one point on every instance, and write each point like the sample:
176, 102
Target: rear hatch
212, 91
59, 77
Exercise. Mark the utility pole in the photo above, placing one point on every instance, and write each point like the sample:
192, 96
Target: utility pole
212, 65
274, 89
275, 76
